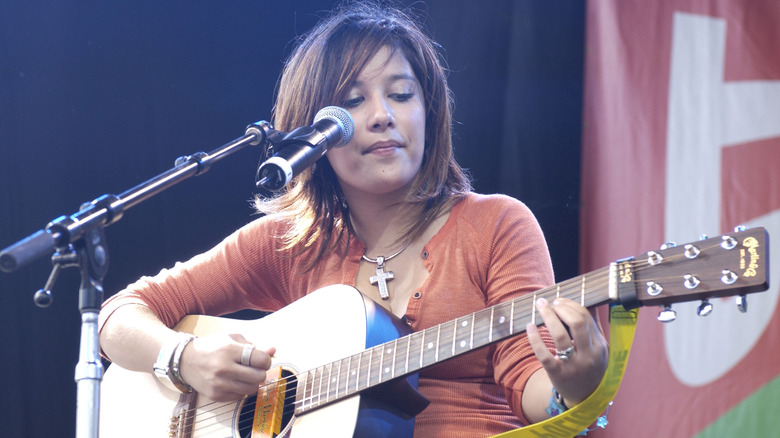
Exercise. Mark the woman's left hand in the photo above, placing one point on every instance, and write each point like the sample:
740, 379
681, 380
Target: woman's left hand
580, 360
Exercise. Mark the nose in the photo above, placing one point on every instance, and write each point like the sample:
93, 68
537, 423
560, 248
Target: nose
381, 115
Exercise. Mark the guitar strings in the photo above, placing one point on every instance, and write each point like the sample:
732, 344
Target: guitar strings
587, 289
568, 289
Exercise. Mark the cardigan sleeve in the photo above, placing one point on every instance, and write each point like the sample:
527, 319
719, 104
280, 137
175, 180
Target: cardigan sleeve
245, 270
519, 264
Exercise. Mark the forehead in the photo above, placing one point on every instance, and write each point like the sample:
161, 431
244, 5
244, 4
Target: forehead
386, 65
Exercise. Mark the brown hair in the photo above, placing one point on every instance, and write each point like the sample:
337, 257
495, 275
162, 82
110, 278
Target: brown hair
320, 72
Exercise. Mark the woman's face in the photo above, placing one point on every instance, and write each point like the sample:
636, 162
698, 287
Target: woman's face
386, 151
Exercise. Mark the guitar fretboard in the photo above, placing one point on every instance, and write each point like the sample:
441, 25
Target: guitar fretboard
411, 353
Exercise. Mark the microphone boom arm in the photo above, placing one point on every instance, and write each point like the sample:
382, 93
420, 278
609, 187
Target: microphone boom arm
108, 209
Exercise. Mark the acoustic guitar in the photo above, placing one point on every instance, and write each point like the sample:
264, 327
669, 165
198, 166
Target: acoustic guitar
345, 367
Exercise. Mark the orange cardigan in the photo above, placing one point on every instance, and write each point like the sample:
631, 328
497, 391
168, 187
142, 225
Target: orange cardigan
490, 249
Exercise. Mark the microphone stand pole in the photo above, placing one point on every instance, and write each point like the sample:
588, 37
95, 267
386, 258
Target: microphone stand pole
78, 240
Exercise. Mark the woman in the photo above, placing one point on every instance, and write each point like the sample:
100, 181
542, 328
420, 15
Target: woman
391, 200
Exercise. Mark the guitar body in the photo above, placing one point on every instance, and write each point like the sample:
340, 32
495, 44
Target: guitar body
324, 326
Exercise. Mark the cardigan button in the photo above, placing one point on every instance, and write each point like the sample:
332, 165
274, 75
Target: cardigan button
417, 295
425, 255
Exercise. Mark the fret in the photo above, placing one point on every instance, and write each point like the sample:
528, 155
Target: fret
332, 387
463, 337
386, 370
338, 379
471, 335
408, 351
378, 364
429, 348
444, 341
381, 366
454, 338
367, 363
357, 377
512, 318
438, 338
422, 348
351, 371
490, 332
300, 393
319, 387
415, 346
375, 365
482, 328
395, 352
310, 388
370, 361
500, 324
314, 385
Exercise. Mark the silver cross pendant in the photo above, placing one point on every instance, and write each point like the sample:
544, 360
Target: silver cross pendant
381, 277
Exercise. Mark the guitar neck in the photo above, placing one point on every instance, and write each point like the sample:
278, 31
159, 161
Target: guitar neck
412, 353
726, 265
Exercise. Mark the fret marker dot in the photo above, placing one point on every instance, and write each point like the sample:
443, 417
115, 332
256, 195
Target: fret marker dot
464, 323
389, 351
387, 369
430, 345
462, 344
501, 320
353, 372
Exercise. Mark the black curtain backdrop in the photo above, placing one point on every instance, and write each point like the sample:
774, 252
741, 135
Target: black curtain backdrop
96, 97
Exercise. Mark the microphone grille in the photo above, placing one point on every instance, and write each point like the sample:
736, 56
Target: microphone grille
340, 116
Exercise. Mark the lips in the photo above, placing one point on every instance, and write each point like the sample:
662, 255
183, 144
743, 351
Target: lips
383, 146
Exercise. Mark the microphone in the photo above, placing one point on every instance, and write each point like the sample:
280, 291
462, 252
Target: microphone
299, 149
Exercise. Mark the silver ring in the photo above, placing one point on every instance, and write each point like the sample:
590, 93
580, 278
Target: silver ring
246, 354
565, 354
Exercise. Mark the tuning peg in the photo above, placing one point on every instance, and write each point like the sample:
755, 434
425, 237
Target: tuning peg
691, 281
728, 242
705, 308
739, 228
728, 276
742, 303
654, 258
667, 315
692, 251
703, 237
668, 245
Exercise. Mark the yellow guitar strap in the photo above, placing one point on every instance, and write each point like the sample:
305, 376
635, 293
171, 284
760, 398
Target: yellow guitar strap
575, 420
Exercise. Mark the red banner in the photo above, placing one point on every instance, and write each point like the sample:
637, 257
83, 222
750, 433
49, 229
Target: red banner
682, 138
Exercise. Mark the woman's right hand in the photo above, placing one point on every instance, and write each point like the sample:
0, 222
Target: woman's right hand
212, 366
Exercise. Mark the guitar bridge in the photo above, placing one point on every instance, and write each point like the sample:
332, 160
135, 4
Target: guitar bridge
183, 416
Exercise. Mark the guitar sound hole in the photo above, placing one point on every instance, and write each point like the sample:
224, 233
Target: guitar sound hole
249, 408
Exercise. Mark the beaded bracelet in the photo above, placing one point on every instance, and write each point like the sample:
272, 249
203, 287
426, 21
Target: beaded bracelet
557, 405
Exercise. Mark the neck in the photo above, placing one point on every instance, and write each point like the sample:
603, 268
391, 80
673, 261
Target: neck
380, 222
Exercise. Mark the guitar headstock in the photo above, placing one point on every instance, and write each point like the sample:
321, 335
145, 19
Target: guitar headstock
727, 265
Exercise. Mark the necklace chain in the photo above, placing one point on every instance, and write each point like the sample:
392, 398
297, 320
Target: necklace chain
376, 260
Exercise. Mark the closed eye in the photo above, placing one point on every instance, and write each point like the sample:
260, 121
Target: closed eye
352, 103
401, 97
